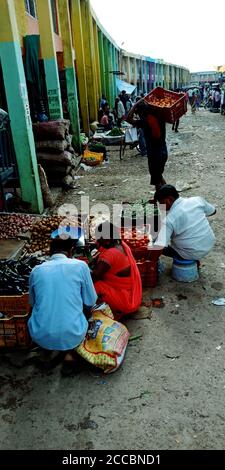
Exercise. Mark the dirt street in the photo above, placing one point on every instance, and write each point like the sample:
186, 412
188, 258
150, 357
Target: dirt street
169, 393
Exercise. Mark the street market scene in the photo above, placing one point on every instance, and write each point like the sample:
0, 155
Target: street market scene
112, 292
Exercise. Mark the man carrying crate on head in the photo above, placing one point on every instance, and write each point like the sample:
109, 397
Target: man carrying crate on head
155, 137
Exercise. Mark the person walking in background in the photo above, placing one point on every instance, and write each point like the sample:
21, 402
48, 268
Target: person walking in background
217, 98
186, 96
129, 104
193, 103
190, 93
123, 97
103, 101
205, 97
141, 136
198, 99
119, 111
175, 125
155, 139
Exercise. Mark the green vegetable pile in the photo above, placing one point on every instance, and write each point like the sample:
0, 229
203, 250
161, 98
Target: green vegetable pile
98, 148
83, 139
115, 132
138, 209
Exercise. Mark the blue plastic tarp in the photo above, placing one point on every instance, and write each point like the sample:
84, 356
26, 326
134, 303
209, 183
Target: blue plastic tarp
121, 85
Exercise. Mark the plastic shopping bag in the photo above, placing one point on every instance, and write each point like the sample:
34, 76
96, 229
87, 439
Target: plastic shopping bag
131, 135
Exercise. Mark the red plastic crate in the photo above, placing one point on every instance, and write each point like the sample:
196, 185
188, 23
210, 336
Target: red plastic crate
14, 332
13, 305
168, 114
140, 252
149, 273
13, 326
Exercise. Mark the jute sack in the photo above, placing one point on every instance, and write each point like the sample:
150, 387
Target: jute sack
46, 193
51, 130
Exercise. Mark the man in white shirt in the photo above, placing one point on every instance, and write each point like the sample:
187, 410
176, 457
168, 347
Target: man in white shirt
217, 98
61, 290
190, 93
120, 111
185, 231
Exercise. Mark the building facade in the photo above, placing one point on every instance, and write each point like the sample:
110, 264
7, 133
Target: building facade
199, 78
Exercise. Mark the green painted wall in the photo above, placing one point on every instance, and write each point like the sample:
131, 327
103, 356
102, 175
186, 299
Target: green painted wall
19, 112
102, 61
53, 89
73, 105
114, 76
111, 76
106, 57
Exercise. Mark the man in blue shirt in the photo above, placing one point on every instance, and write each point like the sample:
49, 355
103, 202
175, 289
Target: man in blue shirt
61, 290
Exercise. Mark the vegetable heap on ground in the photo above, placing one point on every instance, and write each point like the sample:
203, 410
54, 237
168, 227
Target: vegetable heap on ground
11, 225
138, 209
15, 275
41, 232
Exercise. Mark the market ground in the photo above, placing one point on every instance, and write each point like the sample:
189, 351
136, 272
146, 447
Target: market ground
169, 393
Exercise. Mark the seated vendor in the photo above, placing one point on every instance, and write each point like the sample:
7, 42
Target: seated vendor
107, 121
116, 277
61, 295
185, 232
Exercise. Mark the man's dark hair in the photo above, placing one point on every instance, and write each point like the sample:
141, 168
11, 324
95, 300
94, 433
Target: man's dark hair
165, 191
58, 245
143, 109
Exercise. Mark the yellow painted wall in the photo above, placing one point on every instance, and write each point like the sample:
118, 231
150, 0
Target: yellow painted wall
21, 18
45, 28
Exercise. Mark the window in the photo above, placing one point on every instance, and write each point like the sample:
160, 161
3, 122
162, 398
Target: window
30, 7
54, 16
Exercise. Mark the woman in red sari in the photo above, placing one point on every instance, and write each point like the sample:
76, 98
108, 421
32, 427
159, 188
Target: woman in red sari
116, 277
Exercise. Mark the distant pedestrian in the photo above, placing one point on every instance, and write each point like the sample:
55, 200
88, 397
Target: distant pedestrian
119, 111
103, 101
190, 93
129, 104
176, 125
193, 103
217, 98
155, 138
198, 99
123, 97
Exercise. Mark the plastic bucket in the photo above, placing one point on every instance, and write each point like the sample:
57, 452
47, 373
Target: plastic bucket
185, 270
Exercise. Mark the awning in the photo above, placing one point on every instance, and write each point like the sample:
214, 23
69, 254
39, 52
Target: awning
121, 85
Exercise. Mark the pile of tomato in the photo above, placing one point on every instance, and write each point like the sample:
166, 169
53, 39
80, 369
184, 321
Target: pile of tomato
165, 102
135, 238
